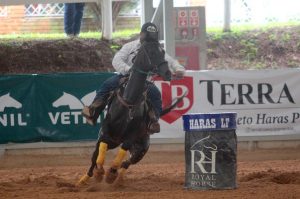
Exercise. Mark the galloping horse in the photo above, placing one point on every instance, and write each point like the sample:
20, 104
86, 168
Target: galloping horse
125, 124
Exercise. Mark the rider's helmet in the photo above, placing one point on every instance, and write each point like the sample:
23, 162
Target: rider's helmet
149, 32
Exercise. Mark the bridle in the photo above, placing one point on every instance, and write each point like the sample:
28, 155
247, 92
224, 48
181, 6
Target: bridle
153, 71
156, 67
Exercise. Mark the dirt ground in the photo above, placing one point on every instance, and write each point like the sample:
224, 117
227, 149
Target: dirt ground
261, 174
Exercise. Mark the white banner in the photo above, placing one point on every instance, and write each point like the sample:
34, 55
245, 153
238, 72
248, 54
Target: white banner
267, 102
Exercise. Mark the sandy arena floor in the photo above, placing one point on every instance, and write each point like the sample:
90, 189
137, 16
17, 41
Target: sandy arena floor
262, 174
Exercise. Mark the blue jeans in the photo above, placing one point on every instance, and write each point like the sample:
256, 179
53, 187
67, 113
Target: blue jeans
72, 18
112, 83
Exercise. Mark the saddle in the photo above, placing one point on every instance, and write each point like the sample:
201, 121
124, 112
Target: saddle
116, 93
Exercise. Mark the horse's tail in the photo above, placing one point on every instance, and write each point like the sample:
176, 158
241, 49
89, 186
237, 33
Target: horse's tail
170, 107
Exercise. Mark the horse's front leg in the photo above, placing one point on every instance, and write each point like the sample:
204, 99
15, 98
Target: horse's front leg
84, 179
112, 172
99, 170
96, 169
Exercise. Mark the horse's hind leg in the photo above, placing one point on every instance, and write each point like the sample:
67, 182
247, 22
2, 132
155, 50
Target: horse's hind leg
112, 173
137, 152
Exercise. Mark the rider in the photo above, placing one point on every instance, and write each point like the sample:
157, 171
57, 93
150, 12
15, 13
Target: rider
122, 62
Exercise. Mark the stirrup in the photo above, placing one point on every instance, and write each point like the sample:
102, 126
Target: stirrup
91, 121
87, 114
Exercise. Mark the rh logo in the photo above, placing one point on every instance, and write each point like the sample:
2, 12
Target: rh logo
200, 158
203, 163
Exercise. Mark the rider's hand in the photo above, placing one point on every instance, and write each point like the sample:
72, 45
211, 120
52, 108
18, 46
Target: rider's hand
179, 74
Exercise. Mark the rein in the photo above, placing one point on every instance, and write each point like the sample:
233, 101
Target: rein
143, 72
123, 102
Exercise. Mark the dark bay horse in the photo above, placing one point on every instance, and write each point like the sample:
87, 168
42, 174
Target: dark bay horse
125, 124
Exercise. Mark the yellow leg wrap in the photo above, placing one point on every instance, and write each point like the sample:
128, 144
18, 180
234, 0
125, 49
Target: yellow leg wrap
119, 158
83, 180
102, 152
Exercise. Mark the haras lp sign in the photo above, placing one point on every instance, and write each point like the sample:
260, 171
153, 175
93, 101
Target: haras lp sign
210, 150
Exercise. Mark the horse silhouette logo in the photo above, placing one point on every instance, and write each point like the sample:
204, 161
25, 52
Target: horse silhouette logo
8, 101
73, 102
205, 143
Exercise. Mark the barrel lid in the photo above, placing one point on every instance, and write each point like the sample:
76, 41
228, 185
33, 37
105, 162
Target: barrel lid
209, 121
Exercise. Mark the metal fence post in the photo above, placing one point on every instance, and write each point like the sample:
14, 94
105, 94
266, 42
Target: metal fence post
227, 15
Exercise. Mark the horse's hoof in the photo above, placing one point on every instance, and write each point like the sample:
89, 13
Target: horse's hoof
98, 174
83, 180
111, 175
119, 181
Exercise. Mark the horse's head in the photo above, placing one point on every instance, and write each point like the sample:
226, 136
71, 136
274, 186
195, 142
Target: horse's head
151, 58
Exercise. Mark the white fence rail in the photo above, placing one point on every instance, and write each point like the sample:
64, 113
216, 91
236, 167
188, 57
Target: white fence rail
25, 2
3, 11
37, 10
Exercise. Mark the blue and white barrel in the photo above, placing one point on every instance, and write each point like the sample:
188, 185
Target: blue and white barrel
210, 150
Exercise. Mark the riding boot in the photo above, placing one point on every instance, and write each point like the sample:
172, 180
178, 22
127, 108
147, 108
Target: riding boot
92, 112
153, 126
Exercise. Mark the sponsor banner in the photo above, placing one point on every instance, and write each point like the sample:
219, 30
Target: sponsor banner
17, 109
47, 107
267, 102
210, 151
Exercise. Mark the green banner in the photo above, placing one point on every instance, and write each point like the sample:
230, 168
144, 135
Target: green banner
47, 107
